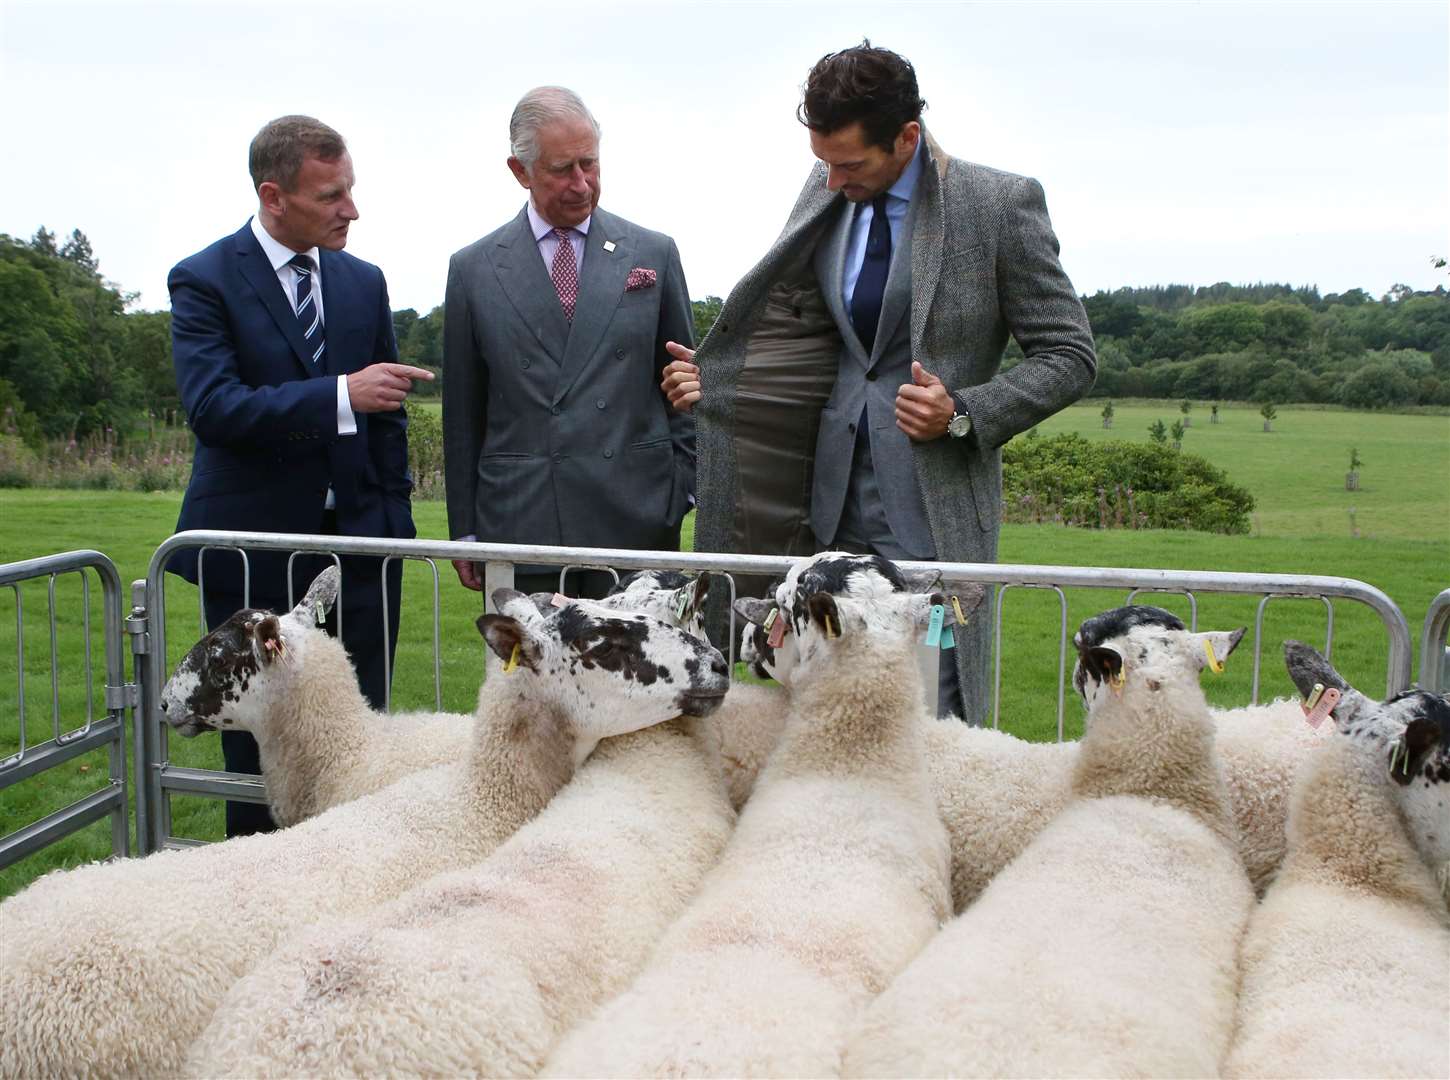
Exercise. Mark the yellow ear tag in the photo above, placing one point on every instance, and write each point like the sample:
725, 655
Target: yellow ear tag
1213, 661
508, 668
1118, 681
957, 611
831, 631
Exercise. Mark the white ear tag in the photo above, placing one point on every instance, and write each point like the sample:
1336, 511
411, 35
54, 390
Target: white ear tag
319, 613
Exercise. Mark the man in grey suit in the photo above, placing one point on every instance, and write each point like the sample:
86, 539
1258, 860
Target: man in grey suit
897, 280
554, 427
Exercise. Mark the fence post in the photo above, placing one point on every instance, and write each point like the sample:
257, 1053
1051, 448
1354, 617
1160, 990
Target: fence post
138, 629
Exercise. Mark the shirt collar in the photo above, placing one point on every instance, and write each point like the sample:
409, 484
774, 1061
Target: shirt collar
906, 182
278, 253
542, 228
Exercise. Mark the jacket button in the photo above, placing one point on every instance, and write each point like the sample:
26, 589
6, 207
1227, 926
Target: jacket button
870, 376
619, 354
555, 410
525, 363
599, 404
609, 453
557, 457
851, 428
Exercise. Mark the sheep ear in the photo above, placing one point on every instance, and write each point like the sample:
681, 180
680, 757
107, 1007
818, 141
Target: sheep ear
267, 641
509, 639
1307, 667
753, 610
1214, 646
702, 590
321, 595
543, 602
1104, 663
514, 603
822, 609
920, 581
1420, 740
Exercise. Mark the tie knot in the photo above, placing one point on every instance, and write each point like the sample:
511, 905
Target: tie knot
878, 204
563, 234
301, 263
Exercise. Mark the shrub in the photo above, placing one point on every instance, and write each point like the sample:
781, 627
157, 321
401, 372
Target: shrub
1116, 484
425, 453
17, 463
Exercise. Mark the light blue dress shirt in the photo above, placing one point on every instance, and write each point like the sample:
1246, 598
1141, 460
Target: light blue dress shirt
898, 200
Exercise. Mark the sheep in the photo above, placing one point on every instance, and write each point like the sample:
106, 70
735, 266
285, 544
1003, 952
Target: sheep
478, 971
1108, 947
114, 969
1347, 960
836, 874
996, 792
319, 741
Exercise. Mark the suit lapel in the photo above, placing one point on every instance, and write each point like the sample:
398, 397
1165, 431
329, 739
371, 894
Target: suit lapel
337, 313
928, 235
831, 272
896, 300
527, 284
258, 272
601, 287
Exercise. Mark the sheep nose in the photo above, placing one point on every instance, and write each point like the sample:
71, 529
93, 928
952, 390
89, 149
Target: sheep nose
718, 665
163, 704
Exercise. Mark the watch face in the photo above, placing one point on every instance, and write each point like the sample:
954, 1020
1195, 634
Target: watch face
959, 425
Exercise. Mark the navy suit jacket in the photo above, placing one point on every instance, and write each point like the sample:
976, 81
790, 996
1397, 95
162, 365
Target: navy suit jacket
265, 421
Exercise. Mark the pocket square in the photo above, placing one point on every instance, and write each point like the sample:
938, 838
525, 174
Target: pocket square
641, 277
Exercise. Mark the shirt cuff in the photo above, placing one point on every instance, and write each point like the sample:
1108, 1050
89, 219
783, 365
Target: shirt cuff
471, 538
346, 421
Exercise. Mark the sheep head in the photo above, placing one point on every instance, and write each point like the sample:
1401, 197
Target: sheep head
1141, 649
610, 671
835, 596
230, 678
766, 660
1408, 735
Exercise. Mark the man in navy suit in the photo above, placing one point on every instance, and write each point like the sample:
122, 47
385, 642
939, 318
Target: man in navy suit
286, 364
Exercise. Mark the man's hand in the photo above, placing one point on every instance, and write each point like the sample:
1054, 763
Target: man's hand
681, 382
468, 574
923, 406
383, 387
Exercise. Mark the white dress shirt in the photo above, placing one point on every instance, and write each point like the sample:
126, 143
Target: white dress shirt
280, 256
898, 200
548, 241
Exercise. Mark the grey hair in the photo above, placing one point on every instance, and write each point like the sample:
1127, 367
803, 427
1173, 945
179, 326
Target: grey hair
540, 106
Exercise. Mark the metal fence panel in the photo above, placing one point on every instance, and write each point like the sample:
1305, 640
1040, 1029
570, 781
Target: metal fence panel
1434, 657
69, 740
162, 779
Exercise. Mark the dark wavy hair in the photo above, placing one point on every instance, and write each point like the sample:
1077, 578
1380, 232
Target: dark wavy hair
874, 86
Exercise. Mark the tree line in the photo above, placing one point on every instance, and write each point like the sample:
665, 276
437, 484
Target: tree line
76, 361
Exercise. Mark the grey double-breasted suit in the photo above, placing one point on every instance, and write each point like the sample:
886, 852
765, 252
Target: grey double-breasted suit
558, 433
983, 265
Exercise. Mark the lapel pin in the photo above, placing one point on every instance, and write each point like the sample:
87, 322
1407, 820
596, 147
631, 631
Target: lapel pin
609, 245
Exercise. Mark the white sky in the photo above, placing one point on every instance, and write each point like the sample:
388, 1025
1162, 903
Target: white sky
1177, 142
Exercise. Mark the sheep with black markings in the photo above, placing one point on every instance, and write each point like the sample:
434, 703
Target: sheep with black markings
478, 971
319, 741
837, 872
113, 969
1346, 964
1109, 946
996, 792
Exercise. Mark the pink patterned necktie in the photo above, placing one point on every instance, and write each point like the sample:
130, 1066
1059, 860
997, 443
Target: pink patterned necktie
565, 273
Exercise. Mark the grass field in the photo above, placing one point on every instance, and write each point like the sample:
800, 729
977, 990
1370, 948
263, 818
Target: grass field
1302, 525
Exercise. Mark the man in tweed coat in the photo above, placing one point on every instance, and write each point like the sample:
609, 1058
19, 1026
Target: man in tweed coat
899, 274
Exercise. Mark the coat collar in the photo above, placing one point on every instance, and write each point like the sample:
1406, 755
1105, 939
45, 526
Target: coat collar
257, 269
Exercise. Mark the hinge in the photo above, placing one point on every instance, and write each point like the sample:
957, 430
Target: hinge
140, 639
125, 696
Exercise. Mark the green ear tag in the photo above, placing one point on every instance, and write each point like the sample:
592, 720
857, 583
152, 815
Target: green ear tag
948, 639
934, 628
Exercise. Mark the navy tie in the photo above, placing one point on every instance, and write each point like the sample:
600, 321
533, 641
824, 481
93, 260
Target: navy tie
309, 316
871, 282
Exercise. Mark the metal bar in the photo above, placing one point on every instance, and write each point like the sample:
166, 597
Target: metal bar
1434, 664
19, 754
49, 754
1192, 603
54, 660
62, 823
235, 787
142, 660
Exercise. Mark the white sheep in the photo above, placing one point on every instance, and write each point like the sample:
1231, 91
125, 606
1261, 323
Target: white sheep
996, 792
113, 969
835, 877
321, 744
1347, 960
1108, 947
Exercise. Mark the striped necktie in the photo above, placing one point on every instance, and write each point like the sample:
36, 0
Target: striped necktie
309, 317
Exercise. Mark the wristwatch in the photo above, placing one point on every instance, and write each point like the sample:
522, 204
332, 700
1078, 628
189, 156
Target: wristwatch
960, 425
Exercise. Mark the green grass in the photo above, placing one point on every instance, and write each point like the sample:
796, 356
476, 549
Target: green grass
1301, 526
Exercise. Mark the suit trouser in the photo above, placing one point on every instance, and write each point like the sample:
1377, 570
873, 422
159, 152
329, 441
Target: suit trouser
362, 636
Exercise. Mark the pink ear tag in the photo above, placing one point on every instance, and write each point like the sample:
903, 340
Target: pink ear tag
1314, 714
559, 600
777, 630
